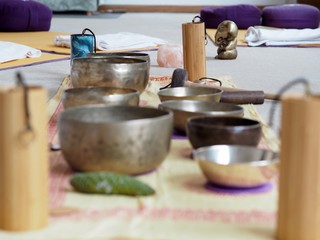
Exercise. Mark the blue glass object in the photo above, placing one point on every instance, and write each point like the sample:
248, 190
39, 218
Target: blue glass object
81, 45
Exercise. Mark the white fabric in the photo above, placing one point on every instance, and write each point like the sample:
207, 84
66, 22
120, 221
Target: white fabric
256, 36
122, 40
10, 51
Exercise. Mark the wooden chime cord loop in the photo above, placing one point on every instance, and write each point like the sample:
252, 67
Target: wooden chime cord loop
94, 38
285, 88
27, 134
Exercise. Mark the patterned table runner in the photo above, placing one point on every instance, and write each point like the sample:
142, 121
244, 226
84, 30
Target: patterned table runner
182, 208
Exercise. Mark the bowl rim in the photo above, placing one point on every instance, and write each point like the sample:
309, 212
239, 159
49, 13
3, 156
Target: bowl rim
253, 163
166, 103
83, 89
120, 54
67, 114
107, 60
255, 123
162, 91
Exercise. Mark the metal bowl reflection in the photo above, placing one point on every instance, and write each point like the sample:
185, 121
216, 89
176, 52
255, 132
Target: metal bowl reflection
237, 166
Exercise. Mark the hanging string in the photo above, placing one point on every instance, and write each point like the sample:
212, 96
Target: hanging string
94, 38
201, 20
283, 90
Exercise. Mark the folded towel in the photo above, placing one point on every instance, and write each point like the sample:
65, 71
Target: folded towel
117, 41
256, 36
10, 51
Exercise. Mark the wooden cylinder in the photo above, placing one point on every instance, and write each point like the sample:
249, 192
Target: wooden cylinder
23, 159
299, 186
194, 52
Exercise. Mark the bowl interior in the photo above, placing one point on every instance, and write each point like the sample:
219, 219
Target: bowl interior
98, 91
207, 107
143, 56
113, 60
223, 122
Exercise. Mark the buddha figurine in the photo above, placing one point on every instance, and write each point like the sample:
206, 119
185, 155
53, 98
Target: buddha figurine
226, 40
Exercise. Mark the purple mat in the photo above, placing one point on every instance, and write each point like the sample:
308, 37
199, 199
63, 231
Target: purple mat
237, 190
179, 135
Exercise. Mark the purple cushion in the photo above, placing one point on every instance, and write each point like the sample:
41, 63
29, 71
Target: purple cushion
21, 16
244, 15
291, 16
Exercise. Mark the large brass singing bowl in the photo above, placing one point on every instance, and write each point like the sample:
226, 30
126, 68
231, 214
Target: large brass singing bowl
139, 55
237, 166
122, 139
190, 93
184, 109
110, 72
74, 97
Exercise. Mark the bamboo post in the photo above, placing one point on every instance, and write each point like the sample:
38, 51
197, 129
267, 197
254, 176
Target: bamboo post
299, 187
23, 159
194, 52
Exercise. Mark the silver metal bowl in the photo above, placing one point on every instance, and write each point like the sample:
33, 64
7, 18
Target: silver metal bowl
139, 55
123, 139
184, 109
211, 130
110, 72
237, 166
190, 93
74, 97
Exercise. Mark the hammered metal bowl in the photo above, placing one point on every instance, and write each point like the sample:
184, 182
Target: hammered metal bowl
74, 97
110, 72
237, 166
184, 109
139, 55
190, 93
210, 130
123, 139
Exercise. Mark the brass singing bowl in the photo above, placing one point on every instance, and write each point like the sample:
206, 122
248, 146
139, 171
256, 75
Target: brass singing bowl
237, 166
190, 93
122, 139
184, 109
110, 72
74, 97
211, 130
139, 55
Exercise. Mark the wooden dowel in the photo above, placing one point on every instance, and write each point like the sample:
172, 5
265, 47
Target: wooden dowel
23, 160
194, 52
299, 183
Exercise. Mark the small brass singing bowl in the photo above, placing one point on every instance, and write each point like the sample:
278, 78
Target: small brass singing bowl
190, 93
110, 72
184, 109
74, 97
211, 130
237, 166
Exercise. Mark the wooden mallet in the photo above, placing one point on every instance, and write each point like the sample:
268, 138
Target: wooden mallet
229, 95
